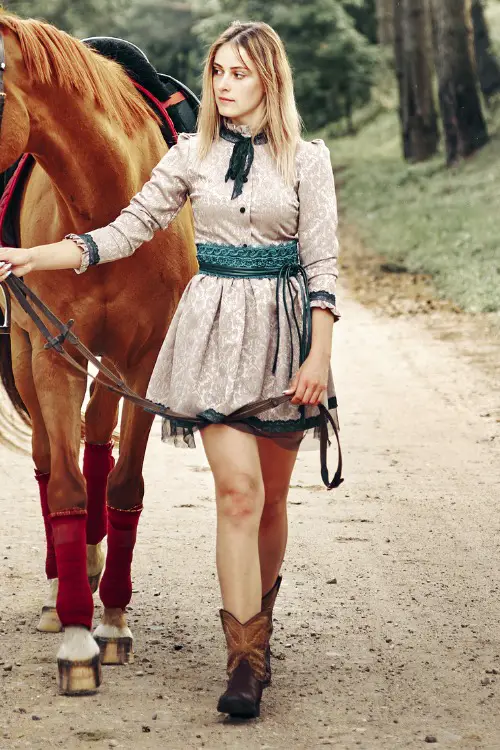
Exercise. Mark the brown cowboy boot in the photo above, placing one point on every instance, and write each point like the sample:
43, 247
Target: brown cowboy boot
268, 606
246, 664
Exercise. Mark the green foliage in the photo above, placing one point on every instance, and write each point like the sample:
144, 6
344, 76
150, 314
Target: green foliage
365, 18
165, 32
161, 29
333, 61
82, 18
426, 217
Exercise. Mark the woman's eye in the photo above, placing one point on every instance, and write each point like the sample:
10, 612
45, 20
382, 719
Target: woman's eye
219, 72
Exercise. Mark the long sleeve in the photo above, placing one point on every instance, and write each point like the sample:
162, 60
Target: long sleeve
153, 208
317, 230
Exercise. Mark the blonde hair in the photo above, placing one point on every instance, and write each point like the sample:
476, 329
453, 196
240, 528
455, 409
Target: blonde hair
281, 121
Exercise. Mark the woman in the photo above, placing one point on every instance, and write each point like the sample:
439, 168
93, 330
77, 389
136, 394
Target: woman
263, 202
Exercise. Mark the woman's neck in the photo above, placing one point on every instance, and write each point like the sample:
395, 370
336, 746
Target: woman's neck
249, 122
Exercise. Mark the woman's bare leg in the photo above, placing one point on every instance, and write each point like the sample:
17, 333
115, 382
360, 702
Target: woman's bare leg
234, 459
277, 465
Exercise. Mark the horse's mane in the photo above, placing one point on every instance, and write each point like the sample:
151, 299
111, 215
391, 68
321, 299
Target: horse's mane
52, 56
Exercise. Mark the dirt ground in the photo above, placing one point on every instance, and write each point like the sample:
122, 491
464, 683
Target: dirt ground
388, 622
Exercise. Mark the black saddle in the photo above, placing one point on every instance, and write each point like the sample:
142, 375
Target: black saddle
183, 111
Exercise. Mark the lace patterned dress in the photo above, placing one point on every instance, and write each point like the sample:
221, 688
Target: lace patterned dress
221, 346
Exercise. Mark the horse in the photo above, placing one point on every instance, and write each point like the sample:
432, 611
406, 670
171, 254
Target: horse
95, 141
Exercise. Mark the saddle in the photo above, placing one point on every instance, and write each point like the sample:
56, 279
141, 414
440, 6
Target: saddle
161, 91
173, 102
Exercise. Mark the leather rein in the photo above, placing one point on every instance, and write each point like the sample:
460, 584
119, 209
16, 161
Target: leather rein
28, 301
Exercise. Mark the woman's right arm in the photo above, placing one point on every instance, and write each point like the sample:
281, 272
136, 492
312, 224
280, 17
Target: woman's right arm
153, 208
57, 255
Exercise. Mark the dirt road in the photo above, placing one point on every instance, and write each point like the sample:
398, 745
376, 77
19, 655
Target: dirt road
388, 622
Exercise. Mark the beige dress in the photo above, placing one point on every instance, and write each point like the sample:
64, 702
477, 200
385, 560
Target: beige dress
219, 351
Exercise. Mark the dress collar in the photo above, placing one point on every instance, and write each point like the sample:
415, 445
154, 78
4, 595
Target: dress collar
232, 132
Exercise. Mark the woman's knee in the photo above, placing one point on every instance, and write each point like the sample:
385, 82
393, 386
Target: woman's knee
274, 504
240, 499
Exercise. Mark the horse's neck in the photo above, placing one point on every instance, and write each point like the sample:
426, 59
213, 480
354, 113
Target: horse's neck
94, 167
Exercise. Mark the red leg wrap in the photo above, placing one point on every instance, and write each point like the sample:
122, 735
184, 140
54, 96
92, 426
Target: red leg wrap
50, 555
97, 463
74, 598
116, 584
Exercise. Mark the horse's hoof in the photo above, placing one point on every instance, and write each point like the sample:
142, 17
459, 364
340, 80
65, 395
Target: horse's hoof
79, 677
78, 662
114, 638
49, 621
115, 650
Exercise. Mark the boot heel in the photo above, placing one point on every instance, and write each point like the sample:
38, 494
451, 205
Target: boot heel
238, 708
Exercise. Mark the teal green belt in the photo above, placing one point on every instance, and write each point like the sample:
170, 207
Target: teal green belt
265, 262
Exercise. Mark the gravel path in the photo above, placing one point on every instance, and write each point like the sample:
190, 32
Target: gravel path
388, 619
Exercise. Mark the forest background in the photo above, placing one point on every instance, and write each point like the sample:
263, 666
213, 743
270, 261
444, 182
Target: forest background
405, 92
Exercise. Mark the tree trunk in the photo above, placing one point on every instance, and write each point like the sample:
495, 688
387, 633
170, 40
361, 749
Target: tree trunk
488, 67
385, 22
399, 63
463, 122
418, 113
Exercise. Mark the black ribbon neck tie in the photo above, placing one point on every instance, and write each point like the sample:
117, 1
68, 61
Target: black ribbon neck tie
241, 158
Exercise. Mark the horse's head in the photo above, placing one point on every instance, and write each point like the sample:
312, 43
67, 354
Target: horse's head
15, 117
51, 78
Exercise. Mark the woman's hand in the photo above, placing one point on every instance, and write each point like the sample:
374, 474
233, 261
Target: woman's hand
310, 382
16, 261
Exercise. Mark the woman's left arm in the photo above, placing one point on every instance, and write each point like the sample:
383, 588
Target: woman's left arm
311, 381
318, 248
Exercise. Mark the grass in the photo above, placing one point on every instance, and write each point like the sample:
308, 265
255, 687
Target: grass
427, 217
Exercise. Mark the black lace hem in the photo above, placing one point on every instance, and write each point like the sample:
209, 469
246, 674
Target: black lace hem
93, 249
181, 432
324, 297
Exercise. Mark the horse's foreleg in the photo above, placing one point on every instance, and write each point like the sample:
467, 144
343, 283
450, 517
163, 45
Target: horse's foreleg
125, 495
23, 375
101, 418
61, 391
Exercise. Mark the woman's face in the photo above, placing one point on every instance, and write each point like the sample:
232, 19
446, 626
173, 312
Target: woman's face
238, 89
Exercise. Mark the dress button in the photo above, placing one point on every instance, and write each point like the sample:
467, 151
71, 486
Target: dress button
245, 244
242, 210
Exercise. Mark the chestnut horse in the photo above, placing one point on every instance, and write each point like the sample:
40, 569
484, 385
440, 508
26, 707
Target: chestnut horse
95, 143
